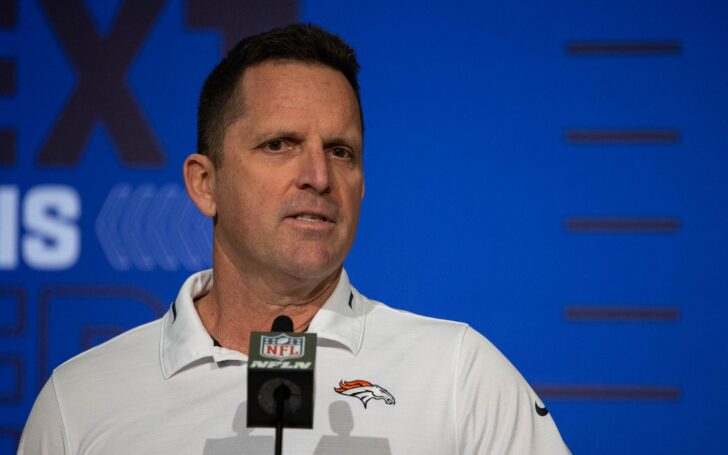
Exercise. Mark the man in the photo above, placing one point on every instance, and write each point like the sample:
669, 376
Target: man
280, 174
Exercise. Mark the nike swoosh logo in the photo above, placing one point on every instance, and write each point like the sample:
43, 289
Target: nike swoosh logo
541, 411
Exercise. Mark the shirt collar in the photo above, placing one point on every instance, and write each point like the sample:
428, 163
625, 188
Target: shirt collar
184, 339
341, 318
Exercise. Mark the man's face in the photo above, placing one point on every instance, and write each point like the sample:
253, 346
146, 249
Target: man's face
288, 191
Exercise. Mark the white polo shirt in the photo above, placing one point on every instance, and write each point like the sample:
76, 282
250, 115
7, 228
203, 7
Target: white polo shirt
387, 382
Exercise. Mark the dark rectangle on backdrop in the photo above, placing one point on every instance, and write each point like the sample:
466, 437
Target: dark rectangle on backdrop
624, 48
620, 313
607, 136
8, 77
608, 392
610, 225
8, 13
7, 147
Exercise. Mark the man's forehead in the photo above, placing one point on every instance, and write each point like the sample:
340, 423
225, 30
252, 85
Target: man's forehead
276, 89
290, 75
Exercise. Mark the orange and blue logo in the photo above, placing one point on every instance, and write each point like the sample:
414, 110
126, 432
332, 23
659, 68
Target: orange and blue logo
364, 391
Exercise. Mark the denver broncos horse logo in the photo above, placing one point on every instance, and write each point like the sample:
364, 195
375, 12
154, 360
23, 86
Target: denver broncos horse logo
364, 390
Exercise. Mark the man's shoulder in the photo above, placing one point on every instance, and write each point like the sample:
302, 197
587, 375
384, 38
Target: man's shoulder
391, 325
430, 335
381, 313
131, 348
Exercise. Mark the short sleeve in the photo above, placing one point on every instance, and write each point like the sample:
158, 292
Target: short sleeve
497, 411
43, 433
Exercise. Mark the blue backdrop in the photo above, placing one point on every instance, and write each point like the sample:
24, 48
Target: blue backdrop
553, 173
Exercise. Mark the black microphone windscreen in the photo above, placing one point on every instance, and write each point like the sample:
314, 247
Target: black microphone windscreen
282, 324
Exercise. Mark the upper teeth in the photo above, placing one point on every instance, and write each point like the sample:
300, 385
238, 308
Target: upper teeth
310, 218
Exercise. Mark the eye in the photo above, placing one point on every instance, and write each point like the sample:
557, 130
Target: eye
275, 146
341, 152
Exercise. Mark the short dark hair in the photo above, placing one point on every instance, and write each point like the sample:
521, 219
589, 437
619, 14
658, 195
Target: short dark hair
306, 43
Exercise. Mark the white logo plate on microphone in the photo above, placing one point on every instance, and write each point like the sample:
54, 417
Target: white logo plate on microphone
282, 347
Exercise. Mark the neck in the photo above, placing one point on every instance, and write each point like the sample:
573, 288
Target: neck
240, 303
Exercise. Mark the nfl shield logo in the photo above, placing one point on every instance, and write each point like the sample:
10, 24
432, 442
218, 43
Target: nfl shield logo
282, 347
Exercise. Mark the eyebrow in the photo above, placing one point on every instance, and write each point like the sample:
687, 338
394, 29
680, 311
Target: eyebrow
291, 134
271, 134
339, 141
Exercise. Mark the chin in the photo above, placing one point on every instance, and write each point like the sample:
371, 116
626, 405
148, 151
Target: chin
314, 264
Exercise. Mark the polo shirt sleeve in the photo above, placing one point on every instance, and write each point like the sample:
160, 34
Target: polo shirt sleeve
44, 431
495, 407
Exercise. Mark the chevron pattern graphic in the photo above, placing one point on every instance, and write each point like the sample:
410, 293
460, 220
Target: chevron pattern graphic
148, 227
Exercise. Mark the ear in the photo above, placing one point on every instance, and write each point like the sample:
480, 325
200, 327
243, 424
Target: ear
199, 175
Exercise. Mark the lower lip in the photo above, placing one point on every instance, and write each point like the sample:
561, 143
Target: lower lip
311, 225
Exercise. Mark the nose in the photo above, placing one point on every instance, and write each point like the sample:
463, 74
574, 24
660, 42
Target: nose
313, 172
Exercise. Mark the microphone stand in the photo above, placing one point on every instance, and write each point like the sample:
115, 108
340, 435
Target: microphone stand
281, 395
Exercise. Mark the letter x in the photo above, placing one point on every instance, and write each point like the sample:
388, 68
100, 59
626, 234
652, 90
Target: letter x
101, 92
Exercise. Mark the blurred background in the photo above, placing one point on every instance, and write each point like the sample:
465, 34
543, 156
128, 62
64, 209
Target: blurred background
555, 174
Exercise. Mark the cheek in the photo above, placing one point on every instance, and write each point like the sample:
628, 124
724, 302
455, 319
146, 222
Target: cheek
351, 185
236, 203
353, 204
258, 203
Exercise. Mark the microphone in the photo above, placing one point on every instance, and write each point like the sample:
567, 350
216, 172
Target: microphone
282, 324
280, 377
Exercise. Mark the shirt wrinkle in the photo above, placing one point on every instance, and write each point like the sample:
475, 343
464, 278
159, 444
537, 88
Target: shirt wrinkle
64, 432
